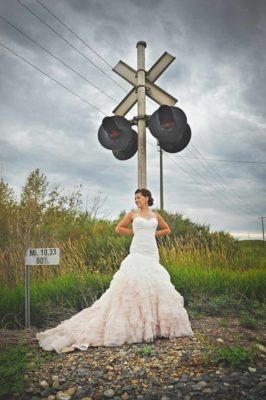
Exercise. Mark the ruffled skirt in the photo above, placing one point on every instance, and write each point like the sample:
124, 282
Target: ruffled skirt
140, 305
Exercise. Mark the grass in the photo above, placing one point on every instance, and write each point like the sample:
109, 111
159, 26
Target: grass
223, 323
254, 252
249, 322
234, 356
145, 350
14, 362
198, 281
207, 291
224, 306
52, 300
215, 278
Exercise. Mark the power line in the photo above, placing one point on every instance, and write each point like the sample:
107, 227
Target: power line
211, 192
221, 195
57, 58
229, 161
218, 190
185, 172
240, 203
202, 184
71, 45
53, 79
70, 30
215, 174
78, 37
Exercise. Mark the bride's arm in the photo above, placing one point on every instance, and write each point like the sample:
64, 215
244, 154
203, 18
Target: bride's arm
164, 228
121, 227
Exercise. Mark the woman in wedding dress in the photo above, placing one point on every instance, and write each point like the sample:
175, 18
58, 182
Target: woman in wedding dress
141, 303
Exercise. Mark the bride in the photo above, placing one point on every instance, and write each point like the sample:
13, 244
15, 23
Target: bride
141, 303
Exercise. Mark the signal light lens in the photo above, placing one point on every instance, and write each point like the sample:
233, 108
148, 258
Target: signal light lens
114, 134
110, 127
167, 125
166, 117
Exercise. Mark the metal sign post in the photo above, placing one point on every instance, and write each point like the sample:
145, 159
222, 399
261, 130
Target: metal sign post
143, 83
27, 296
39, 256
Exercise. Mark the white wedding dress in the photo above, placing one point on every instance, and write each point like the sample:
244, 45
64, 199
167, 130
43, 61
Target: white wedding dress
140, 304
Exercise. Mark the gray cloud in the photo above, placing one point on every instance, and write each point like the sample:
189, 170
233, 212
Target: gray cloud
218, 77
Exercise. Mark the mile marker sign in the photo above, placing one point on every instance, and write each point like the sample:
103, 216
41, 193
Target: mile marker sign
42, 256
39, 256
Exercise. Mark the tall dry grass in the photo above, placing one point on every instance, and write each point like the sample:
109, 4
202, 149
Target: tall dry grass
199, 269
207, 252
102, 253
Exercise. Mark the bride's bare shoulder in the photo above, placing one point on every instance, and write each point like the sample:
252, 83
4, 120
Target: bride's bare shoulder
133, 213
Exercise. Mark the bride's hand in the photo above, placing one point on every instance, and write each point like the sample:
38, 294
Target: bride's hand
122, 226
164, 228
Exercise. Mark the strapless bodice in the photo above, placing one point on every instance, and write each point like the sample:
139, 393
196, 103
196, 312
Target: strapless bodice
144, 241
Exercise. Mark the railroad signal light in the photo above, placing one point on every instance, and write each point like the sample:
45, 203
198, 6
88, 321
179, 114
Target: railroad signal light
169, 125
116, 134
130, 150
177, 146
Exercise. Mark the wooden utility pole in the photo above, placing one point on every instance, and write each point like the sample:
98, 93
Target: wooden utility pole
262, 225
161, 177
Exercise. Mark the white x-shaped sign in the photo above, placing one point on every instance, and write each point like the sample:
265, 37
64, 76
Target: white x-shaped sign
153, 91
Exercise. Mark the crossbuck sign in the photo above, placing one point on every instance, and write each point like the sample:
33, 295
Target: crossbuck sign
153, 91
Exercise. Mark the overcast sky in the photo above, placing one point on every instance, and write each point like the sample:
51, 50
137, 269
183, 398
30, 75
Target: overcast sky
218, 78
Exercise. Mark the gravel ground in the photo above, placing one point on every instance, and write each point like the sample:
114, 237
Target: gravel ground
181, 368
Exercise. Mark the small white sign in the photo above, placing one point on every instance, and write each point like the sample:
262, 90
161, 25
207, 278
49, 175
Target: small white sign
43, 256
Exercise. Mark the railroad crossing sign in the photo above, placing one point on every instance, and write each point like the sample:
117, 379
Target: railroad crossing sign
143, 84
168, 124
153, 91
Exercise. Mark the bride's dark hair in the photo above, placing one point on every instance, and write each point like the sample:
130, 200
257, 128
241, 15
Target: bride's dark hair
146, 193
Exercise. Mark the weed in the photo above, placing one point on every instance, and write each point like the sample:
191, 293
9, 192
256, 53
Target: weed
13, 362
247, 321
216, 305
223, 322
233, 356
145, 350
